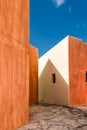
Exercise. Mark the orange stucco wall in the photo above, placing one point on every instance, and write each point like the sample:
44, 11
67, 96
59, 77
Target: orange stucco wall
77, 72
33, 75
14, 64
14, 19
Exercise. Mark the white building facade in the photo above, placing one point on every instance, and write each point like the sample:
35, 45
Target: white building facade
54, 75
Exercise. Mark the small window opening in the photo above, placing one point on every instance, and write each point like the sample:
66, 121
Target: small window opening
53, 78
86, 76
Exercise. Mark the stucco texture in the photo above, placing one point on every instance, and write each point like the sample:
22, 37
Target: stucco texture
33, 75
14, 64
68, 61
55, 61
14, 19
77, 72
13, 85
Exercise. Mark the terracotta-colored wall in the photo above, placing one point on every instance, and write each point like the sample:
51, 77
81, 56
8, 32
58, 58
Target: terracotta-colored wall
14, 88
14, 64
14, 19
33, 75
77, 71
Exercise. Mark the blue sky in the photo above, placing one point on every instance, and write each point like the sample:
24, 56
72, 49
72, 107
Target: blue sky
52, 20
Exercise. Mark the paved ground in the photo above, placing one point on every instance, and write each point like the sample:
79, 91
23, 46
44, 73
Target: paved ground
44, 117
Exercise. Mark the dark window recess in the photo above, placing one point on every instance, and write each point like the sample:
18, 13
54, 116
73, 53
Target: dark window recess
53, 78
86, 77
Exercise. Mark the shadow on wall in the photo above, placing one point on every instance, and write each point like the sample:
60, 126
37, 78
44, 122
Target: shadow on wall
49, 92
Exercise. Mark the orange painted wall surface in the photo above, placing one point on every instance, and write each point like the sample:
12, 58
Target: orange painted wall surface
14, 64
33, 75
14, 19
77, 72
14, 87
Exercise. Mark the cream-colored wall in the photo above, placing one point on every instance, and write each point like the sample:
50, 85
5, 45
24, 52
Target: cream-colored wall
54, 61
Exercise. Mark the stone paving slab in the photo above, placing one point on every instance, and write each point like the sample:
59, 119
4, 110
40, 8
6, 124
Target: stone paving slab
53, 117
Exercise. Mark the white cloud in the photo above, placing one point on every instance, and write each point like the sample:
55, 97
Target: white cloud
58, 3
81, 26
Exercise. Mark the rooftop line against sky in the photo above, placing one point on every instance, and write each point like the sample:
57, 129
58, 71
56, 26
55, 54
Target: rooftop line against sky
52, 20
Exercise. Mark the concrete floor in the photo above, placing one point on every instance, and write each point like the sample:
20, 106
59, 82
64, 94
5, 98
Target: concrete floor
52, 117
